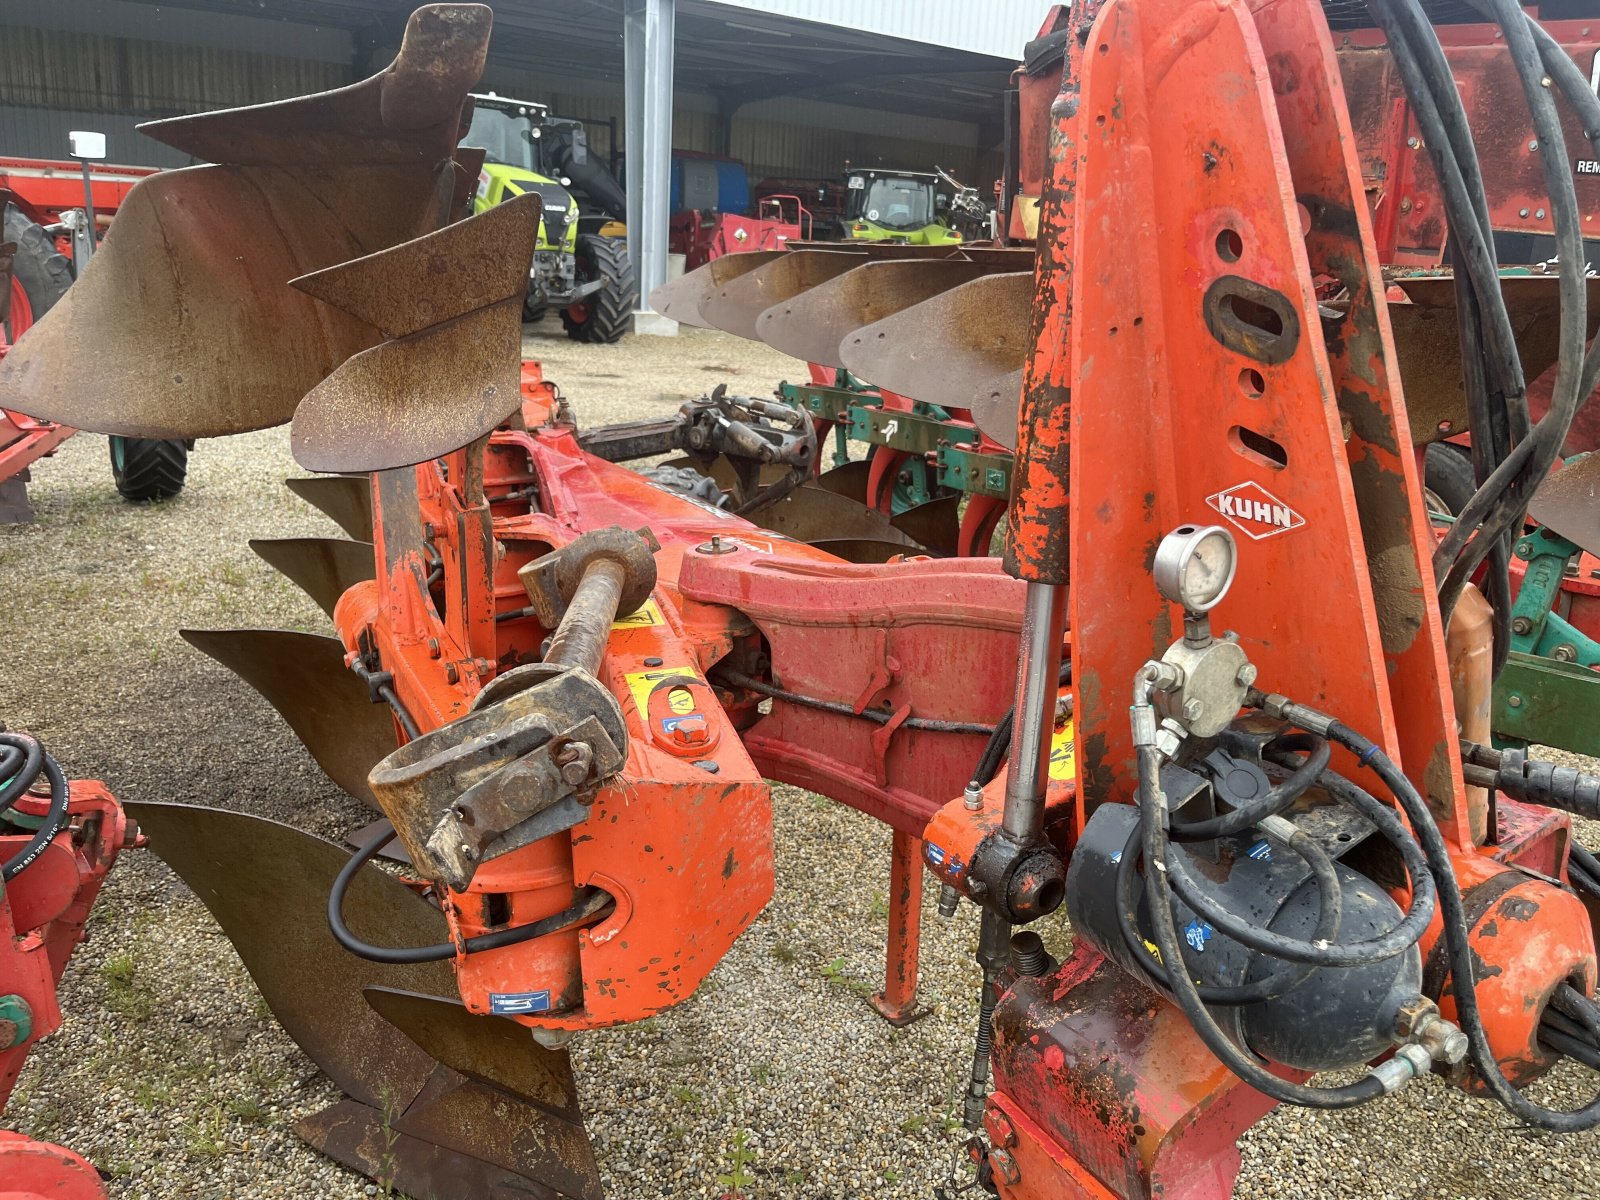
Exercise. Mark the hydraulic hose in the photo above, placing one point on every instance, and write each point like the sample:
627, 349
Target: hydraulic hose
592, 905
1154, 819
1330, 912
1456, 927
1305, 774
55, 817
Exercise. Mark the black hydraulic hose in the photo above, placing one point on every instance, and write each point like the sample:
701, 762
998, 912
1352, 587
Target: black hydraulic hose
19, 767
1456, 926
994, 751
1317, 752
1580, 861
594, 903
1284, 979
382, 683
1153, 811
55, 817
931, 724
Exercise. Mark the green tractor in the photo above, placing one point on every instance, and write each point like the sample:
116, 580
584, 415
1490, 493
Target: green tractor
581, 265
918, 208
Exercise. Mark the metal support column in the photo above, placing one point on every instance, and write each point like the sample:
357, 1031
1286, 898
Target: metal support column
647, 27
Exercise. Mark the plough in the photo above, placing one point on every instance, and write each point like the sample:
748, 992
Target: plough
1223, 700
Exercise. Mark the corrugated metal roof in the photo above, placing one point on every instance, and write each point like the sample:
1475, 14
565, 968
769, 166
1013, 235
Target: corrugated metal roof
997, 27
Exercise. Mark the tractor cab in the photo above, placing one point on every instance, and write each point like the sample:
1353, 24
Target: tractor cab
581, 263
898, 206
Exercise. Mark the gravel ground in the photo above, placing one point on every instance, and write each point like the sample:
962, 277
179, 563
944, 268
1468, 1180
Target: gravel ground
173, 1079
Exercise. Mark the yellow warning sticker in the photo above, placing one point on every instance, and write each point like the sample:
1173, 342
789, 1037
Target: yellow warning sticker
642, 683
1062, 759
650, 614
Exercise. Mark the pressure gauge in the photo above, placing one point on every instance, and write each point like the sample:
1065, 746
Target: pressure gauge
1194, 566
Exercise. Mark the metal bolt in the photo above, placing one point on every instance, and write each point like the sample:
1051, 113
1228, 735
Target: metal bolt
468, 853
1005, 1166
1595, 574
949, 899
1534, 144
1524, 549
452, 673
1514, 701
1405, 205
1570, 570
1247, 675
973, 796
1566, 652
575, 759
1413, 142
1522, 212
1521, 625
1539, 213
1192, 710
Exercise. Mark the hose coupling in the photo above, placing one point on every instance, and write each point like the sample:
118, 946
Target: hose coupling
1409, 1061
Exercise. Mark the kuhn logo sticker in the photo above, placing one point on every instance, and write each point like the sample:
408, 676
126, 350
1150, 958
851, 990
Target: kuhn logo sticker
1254, 511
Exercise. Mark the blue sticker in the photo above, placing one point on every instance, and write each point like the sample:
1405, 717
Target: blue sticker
1197, 933
511, 1004
935, 854
1261, 851
1116, 856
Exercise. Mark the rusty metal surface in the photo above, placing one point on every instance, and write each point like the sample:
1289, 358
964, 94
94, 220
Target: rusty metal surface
361, 1138
995, 407
945, 350
492, 1050
812, 514
736, 305
304, 677
450, 305
812, 324
345, 499
267, 885
380, 1031
1568, 501
681, 298
544, 1138
197, 263
848, 480
407, 113
936, 524
323, 568
1426, 341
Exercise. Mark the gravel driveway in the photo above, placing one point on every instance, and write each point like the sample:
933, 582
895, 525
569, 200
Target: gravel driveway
171, 1076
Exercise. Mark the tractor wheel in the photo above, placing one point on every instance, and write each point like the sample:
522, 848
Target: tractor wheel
533, 311
605, 315
148, 469
1447, 475
40, 274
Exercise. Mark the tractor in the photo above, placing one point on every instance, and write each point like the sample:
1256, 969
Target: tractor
913, 207
581, 265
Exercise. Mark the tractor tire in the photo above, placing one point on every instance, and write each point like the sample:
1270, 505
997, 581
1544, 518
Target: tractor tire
608, 314
41, 273
1447, 473
534, 311
148, 469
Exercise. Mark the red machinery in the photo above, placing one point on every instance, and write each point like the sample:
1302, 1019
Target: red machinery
1230, 749
57, 841
703, 236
